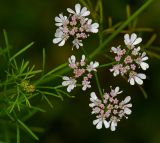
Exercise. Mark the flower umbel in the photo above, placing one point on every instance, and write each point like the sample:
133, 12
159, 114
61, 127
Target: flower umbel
110, 110
130, 60
80, 70
76, 25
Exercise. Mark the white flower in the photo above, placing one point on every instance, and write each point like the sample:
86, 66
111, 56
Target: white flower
77, 43
116, 69
70, 82
60, 38
101, 120
92, 66
92, 27
85, 84
72, 62
61, 20
95, 101
131, 41
136, 51
115, 92
126, 106
134, 77
78, 11
141, 61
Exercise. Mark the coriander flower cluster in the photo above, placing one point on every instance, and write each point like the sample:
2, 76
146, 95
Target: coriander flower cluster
80, 70
110, 110
130, 59
76, 26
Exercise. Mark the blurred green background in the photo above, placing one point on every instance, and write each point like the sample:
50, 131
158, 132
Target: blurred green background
70, 121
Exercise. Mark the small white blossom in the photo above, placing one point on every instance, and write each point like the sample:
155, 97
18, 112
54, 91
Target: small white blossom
115, 92
135, 51
77, 43
61, 20
85, 84
141, 61
101, 120
116, 69
126, 105
92, 27
60, 38
92, 66
78, 11
70, 82
132, 40
72, 62
94, 99
138, 78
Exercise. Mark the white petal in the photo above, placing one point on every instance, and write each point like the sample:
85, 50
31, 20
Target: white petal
131, 80
56, 40
91, 105
61, 43
129, 105
126, 39
127, 99
113, 126
73, 58
89, 21
84, 9
93, 96
127, 111
116, 89
65, 83
57, 19
99, 125
96, 64
106, 124
114, 49
144, 65
137, 41
133, 37
96, 121
141, 75
95, 25
77, 8
138, 80
145, 58
83, 58
66, 78
86, 13
58, 24
70, 87
70, 11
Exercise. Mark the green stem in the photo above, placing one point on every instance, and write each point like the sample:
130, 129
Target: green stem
106, 65
98, 85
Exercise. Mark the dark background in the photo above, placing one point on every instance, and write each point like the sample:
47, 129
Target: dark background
70, 121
